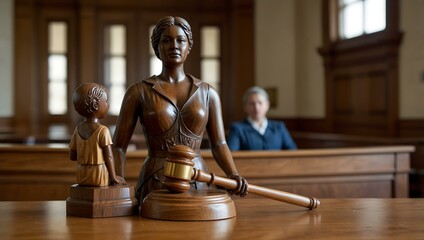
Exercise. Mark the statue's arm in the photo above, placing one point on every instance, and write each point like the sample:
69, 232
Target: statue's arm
109, 161
73, 155
125, 125
220, 150
216, 133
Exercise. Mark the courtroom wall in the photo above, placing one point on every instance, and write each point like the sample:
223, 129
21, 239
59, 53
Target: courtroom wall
288, 34
411, 60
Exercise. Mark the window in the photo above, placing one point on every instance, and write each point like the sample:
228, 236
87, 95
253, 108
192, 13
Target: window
57, 68
210, 55
115, 65
359, 17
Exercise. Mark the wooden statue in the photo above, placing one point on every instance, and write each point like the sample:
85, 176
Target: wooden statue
91, 148
174, 108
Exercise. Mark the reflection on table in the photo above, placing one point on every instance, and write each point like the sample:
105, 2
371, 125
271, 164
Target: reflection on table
256, 219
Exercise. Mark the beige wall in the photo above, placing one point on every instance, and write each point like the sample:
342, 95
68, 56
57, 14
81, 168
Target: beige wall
288, 33
6, 58
411, 72
309, 64
275, 52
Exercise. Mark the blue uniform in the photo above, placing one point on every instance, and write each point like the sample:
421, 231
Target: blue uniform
243, 136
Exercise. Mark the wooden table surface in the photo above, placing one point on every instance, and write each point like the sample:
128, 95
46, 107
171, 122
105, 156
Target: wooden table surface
256, 219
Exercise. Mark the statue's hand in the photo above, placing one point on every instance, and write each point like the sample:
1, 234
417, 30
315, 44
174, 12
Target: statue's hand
118, 180
242, 184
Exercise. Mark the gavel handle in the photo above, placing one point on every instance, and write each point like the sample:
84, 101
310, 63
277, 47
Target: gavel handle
308, 202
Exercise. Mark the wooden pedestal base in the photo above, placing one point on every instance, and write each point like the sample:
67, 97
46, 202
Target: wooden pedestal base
97, 202
193, 205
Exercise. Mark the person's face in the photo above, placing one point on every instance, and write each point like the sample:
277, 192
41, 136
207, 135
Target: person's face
103, 106
173, 45
256, 106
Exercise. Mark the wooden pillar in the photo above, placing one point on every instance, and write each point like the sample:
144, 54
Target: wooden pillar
87, 43
25, 66
88, 70
242, 62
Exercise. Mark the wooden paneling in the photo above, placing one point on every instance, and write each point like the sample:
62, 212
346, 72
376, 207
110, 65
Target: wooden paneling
5, 125
242, 71
86, 20
88, 40
41, 173
323, 173
306, 140
25, 67
411, 128
361, 77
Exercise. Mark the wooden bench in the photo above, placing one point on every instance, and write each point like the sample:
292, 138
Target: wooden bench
44, 172
308, 140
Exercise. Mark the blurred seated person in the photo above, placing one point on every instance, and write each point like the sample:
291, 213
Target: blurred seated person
257, 132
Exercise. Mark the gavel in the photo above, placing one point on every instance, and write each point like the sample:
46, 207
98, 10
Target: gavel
179, 171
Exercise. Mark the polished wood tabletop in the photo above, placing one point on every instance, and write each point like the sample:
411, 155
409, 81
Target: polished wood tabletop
380, 218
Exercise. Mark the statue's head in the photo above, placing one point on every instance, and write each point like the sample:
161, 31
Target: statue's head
87, 97
166, 22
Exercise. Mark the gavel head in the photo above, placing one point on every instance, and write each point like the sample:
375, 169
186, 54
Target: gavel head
178, 168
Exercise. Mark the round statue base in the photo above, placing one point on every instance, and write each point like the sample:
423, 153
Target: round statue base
193, 205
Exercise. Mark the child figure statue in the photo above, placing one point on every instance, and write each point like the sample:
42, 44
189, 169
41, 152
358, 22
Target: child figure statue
91, 143
99, 192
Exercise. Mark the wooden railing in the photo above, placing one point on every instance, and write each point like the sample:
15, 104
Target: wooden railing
44, 172
307, 140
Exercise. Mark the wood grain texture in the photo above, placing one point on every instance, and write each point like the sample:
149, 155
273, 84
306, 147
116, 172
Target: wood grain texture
41, 172
98, 202
256, 219
188, 206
